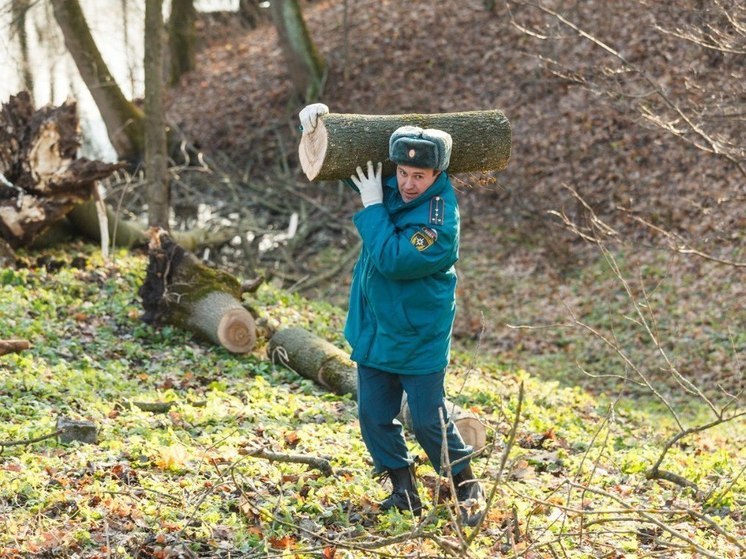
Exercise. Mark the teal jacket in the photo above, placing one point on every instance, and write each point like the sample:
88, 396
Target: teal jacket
403, 292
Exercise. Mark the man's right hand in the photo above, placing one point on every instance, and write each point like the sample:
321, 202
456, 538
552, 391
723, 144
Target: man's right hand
309, 116
371, 190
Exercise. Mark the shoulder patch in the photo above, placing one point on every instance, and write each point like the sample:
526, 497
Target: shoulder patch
424, 238
437, 210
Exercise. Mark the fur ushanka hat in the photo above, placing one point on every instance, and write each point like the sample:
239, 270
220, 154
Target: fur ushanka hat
424, 148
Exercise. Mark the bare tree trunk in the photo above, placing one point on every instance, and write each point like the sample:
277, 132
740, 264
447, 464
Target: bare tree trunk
19, 8
124, 121
181, 38
305, 65
341, 142
156, 162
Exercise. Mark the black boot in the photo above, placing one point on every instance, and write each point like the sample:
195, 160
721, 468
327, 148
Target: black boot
470, 496
405, 496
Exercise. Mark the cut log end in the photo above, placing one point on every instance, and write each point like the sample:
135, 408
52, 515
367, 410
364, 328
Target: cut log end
312, 150
236, 331
472, 431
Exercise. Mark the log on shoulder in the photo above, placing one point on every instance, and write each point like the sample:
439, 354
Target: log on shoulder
341, 142
41, 177
182, 291
322, 362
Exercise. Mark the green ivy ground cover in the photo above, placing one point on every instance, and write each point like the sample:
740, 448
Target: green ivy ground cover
189, 482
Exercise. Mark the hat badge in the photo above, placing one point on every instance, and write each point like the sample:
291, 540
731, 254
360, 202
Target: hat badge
412, 153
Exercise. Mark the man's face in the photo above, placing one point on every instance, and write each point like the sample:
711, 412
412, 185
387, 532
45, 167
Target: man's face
413, 181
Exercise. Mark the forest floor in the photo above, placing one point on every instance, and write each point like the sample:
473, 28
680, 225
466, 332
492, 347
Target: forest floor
177, 469
620, 343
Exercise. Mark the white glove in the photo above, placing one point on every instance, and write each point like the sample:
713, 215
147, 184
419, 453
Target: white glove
309, 116
370, 187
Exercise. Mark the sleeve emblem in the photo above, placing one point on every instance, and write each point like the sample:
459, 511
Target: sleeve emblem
424, 238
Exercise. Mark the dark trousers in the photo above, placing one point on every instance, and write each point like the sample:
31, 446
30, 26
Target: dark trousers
379, 402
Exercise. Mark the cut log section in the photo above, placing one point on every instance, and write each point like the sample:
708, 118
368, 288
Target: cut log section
181, 291
41, 178
316, 359
341, 142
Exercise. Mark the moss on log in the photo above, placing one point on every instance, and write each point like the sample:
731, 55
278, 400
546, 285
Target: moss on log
341, 142
328, 366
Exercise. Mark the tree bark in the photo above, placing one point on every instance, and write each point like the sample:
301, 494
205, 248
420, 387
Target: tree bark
182, 38
341, 142
156, 162
41, 179
19, 9
305, 65
122, 233
328, 366
181, 291
124, 121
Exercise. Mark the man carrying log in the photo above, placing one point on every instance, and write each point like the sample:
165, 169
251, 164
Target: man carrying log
401, 312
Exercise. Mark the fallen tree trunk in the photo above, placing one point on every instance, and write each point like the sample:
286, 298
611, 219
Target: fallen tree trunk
316, 359
126, 233
41, 178
341, 142
13, 346
181, 291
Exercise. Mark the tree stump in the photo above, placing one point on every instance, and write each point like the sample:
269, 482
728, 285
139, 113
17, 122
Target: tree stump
341, 142
181, 291
316, 359
41, 178
77, 430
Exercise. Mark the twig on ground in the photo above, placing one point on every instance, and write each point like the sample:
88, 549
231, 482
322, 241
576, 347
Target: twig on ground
320, 464
503, 461
665, 527
163, 407
656, 473
4, 444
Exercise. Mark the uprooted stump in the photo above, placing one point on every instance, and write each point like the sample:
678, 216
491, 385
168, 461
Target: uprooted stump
322, 362
182, 291
341, 142
41, 177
